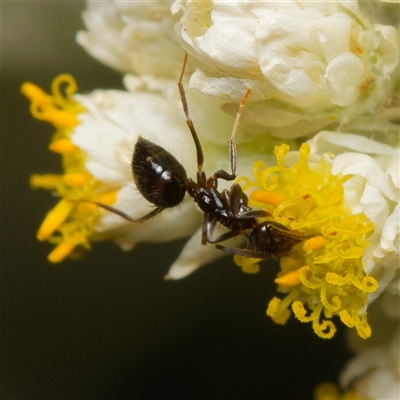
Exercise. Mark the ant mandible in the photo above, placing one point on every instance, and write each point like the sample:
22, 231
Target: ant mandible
162, 181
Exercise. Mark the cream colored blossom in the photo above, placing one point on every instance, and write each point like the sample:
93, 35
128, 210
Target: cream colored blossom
133, 36
96, 134
310, 64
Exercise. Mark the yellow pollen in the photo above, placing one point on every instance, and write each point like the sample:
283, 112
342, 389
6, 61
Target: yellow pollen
290, 279
54, 219
63, 146
322, 277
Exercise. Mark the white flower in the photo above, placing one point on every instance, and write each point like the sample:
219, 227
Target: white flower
133, 36
310, 64
96, 135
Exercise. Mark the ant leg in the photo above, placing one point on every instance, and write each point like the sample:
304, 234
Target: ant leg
124, 215
199, 149
232, 141
241, 252
207, 228
238, 199
226, 236
255, 214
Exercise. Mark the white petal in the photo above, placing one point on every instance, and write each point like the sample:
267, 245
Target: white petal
193, 256
344, 76
336, 143
333, 34
365, 166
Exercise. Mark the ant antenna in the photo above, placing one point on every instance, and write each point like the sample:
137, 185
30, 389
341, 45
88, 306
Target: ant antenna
232, 141
199, 149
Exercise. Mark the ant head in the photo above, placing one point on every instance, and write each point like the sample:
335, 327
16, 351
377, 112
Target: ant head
158, 175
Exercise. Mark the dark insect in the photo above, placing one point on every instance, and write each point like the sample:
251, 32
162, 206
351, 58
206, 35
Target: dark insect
162, 181
268, 239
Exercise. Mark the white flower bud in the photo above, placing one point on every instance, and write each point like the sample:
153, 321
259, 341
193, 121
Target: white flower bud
310, 64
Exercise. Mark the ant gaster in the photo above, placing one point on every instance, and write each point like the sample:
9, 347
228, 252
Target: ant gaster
162, 181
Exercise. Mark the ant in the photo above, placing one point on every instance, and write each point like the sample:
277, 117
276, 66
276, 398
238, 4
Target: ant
162, 181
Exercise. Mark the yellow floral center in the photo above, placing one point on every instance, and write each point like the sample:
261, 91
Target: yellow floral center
70, 223
323, 276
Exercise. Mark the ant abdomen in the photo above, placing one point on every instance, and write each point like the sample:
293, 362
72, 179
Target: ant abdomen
273, 239
158, 175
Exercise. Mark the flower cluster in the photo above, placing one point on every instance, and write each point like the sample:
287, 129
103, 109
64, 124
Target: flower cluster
333, 271
326, 69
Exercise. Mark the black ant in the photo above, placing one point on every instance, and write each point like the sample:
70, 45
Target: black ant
162, 181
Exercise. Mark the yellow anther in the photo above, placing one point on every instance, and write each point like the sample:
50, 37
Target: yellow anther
45, 181
32, 92
290, 279
107, 197
267, 198
77, 179
314, 243
54, 219
61, 251
63, 146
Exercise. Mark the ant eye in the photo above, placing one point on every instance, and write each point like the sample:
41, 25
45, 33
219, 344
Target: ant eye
158, 175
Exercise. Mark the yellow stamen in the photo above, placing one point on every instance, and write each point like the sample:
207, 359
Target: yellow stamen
314, 243
290, 279
325, 275
72, 222
61, 251
54, 219
268, 198
108, 198
63, 146
47, 112
32, 92
276, 312
77, 179
46, 181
